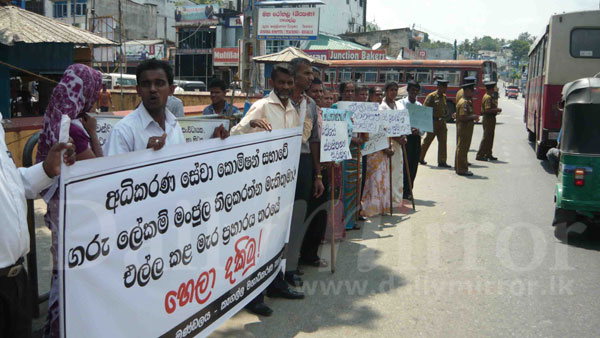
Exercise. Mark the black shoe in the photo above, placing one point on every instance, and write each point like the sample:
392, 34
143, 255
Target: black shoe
362, 219
484, 159
469, 163
492, 158
260, 309
444, 165
284, 293
423, 162
468, 173
293, 279
408, 197
299, 272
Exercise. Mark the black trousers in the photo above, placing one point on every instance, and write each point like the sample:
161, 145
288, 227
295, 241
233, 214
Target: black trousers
317, 218
15, 306
413, 153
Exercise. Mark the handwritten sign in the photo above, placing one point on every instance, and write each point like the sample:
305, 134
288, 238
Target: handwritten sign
335, 141
182, 238
365, 115
395, 122
421, 117
377, 141
194, 128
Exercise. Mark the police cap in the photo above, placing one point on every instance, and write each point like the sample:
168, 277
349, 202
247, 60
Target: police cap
490, 84
441, 82
468, 86
470, 79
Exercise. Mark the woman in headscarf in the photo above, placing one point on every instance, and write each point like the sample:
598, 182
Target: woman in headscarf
74, 96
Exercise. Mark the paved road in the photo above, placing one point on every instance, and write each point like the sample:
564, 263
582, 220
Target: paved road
478, 258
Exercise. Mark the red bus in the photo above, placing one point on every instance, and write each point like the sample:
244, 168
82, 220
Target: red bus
378, 72
568, 49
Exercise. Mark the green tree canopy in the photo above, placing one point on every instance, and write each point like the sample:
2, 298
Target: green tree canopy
520, 49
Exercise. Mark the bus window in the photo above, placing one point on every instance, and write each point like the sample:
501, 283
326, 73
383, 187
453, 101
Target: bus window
585, 43
470, 73
411, 74
365, 75
487, 71
329, 75
424, 76
387, 75
345, 74
452, 76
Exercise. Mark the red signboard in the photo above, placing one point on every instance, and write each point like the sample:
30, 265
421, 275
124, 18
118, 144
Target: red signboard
227, 57
347, 54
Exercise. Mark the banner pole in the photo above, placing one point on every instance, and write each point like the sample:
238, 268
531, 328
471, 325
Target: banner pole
408, 173
358, 184
391, 188
332, 186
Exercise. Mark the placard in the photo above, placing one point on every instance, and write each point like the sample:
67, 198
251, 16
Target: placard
194, 128
421, 117
377, 141
395, 122
172, 243
335, 142
365, 115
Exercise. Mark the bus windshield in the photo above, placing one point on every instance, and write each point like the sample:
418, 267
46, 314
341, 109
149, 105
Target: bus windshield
581, 134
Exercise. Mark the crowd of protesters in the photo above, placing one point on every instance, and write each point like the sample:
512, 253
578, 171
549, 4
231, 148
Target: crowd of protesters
359, 188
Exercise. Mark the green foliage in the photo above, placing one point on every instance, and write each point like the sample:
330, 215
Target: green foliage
436, 44
520, 49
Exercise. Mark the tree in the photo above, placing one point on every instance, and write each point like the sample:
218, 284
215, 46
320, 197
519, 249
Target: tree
520, 49
372, 26
436, 44
526, 37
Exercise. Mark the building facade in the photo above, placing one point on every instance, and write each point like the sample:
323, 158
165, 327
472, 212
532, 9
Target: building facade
397, 43
343, 16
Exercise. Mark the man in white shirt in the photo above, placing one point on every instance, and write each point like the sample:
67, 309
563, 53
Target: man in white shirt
273, 112
413, 144
151, 125
15, 186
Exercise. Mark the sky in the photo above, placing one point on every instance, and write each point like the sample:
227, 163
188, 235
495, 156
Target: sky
446, 20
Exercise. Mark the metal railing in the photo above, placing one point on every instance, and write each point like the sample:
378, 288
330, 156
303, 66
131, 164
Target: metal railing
36, 298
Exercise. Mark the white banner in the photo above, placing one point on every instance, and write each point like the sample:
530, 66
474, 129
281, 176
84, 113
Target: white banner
396, 122
173, 242
365, 115
335, 142
288, 23
194, 128
377, 141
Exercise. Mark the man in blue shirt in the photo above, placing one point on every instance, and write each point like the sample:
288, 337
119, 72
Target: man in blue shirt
219, 105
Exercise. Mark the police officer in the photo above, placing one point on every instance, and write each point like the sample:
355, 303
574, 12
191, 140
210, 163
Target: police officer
437, 100
489, 110
468, 79
465, 119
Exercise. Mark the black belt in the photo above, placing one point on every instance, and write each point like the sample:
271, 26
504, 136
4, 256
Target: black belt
13, 270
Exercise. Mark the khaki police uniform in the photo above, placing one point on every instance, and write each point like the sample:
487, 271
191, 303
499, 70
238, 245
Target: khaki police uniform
438, 103
459, 95
465, 133
489, 126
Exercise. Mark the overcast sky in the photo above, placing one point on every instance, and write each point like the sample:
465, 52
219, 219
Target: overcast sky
447, 20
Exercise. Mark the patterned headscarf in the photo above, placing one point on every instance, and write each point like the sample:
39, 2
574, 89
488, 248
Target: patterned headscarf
76, 93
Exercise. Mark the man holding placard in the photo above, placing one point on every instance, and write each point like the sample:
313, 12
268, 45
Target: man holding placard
413, 141
437, 100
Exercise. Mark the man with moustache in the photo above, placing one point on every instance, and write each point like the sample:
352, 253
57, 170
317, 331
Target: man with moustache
273, 112
437, 100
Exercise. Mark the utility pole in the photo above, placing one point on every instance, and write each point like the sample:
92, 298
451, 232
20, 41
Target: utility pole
249, 44
121, 49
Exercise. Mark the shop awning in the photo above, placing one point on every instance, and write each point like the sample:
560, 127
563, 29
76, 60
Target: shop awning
21, 26
332, 42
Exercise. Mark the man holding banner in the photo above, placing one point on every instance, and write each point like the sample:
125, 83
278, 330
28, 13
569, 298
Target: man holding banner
273, 112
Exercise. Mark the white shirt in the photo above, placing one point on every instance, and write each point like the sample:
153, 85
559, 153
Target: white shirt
134, 130
402, 104
271, 109
15, 186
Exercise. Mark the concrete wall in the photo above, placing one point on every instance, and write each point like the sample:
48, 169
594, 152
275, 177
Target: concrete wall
397, 38
439, 53
336, 15
131, 99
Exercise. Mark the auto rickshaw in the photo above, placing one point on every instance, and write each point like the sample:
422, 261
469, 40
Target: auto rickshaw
578, 188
